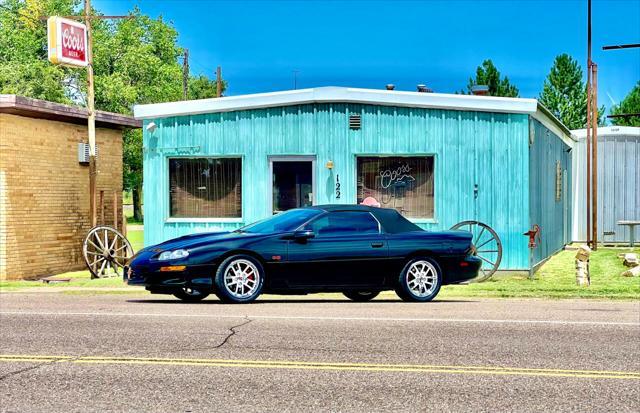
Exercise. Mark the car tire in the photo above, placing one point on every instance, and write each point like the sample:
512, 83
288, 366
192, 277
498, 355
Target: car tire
243, 269
361, 296
420, 280
190, 295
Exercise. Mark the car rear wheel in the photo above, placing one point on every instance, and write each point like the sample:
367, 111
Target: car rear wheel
239, 279
420, 280
361, 296
190, 295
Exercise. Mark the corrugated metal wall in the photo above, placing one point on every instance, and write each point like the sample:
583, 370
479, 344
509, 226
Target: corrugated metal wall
618, 184
490, 150
550, 212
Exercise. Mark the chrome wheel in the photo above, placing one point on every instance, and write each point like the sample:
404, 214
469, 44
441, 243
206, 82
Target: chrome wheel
422, 278
241, 278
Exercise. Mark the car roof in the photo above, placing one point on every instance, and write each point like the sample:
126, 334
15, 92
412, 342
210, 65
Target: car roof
390, 219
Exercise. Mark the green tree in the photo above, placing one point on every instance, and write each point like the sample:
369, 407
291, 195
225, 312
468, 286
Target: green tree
564, 93
24, 69
488, 75
630, 104
136, 61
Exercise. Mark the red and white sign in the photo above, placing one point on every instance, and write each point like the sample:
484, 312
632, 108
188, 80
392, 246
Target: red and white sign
67, 41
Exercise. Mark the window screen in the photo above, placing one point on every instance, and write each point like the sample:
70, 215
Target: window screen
205, 187
401, 183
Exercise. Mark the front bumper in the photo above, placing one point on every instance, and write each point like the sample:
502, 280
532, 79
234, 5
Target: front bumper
167, 282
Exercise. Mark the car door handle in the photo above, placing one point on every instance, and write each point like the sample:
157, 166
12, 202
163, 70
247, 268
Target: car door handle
377, 244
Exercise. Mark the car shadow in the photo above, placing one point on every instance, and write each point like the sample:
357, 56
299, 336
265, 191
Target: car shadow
292, 301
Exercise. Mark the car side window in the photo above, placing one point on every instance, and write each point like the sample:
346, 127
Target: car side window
342, 223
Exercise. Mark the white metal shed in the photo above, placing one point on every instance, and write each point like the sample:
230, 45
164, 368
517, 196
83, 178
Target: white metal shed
618, 182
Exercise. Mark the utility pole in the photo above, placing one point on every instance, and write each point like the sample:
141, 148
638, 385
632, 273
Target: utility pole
91, 117
589, 145
594, 153
218, 82
295, 79
185, 75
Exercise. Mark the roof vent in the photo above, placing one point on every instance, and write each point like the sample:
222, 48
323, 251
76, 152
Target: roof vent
390, 86
424, 89
355, 121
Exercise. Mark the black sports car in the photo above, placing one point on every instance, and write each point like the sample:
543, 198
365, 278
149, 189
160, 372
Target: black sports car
353, 249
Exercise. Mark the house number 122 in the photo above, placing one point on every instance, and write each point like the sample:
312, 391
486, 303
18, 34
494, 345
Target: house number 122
337, 186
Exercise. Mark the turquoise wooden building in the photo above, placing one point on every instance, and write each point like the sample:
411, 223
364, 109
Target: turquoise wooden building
219, 164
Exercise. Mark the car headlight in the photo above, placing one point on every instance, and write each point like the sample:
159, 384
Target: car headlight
173, 255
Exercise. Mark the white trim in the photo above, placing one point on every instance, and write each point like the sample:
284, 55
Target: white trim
205, 220
291, 158
609, 131
337, 94
563, 133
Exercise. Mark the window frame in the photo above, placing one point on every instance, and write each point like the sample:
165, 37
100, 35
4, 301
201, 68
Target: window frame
415, 220
381, 230
167, 179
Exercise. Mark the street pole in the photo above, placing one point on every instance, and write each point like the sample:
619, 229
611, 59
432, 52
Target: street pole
594, 153
91, 117
588, 125
185, 75
218, 82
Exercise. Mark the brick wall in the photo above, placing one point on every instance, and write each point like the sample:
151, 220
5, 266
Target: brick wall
44, 194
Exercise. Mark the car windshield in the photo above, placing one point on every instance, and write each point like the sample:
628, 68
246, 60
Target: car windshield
282, 222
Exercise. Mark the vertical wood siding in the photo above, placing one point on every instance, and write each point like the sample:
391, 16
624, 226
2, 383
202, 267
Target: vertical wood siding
487, 149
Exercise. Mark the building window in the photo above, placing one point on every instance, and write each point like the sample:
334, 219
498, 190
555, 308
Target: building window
402, 183
205, 187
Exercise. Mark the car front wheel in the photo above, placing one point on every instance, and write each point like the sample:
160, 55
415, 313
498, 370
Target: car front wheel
361, 296
420, 280
239, 279
190, 295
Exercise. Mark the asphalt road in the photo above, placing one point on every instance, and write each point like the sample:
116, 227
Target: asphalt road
62, 352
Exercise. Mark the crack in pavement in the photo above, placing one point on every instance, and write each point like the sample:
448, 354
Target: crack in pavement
232, 332
37, 366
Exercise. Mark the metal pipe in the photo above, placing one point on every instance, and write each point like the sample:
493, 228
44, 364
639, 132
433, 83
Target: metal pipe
594, 153
91, 118
588, 177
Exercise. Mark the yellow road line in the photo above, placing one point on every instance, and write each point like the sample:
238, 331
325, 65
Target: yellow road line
335, 366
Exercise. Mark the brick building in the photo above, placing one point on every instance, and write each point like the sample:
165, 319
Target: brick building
44, 186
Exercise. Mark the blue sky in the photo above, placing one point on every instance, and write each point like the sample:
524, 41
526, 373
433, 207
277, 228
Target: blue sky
370, 43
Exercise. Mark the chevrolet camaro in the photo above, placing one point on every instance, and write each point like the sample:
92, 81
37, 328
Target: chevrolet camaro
352, 249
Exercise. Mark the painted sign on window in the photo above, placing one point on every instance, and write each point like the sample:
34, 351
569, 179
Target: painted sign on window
402, 183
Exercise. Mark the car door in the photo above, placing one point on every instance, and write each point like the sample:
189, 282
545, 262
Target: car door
348, 249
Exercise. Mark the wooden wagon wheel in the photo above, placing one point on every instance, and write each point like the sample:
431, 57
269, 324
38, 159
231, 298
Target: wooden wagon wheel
106, 252
486, 246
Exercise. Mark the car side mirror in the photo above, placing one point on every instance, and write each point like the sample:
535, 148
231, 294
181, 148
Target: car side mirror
303, 235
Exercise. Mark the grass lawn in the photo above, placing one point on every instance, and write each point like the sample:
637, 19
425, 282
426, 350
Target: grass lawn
556, 279
80, 279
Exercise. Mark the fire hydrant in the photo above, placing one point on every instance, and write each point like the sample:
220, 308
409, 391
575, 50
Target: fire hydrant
583, 277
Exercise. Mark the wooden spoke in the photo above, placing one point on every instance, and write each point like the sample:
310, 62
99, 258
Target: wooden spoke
492, 255
106, 252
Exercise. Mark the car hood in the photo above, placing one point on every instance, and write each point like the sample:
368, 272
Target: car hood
207, 238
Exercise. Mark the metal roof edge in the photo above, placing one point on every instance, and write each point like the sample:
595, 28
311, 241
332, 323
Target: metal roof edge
332, 94
551, 122
43, 109
612, 130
